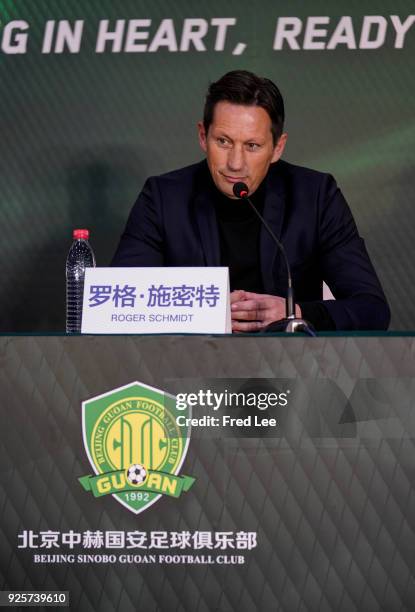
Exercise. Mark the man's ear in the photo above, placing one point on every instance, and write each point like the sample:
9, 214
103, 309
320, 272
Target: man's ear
202, 135
279, 147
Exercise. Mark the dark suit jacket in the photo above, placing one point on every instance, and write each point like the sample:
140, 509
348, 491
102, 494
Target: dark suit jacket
173, 223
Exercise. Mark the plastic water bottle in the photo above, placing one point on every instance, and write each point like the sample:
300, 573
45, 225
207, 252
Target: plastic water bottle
80, 256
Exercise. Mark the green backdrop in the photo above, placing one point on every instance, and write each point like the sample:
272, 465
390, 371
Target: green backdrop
81, 130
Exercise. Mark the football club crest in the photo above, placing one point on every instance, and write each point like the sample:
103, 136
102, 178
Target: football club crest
135, 446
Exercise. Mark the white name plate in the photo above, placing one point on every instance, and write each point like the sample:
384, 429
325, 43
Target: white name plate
156, 301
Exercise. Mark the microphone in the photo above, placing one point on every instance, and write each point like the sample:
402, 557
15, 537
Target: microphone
291, 323
240, 190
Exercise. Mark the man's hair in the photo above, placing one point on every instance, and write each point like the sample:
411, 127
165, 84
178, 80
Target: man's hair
247, 89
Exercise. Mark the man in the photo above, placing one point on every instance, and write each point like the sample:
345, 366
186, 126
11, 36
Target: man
190, 217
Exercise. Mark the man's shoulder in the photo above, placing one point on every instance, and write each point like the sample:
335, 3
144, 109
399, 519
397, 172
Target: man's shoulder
181, 176
299, 173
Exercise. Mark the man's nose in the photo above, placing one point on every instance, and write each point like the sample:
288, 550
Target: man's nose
236, 159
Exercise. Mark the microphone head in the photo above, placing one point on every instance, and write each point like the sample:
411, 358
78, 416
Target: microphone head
241, 190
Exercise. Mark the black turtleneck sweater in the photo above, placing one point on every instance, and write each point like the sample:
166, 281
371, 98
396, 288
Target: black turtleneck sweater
239, 231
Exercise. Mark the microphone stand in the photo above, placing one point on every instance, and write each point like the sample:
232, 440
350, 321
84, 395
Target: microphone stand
291, 323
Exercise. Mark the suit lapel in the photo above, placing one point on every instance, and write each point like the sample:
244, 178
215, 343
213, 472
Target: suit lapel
274, 206
208, 226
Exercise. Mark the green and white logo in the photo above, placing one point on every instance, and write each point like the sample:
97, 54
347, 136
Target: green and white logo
135, 446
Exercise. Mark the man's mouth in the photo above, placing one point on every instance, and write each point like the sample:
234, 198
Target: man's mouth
234, 179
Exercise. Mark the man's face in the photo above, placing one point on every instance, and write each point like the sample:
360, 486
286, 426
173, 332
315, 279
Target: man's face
239, 146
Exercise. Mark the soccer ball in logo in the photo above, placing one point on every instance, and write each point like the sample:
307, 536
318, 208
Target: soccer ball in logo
136, 474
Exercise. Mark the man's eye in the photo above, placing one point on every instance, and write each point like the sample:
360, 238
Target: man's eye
222, 141
253, 146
